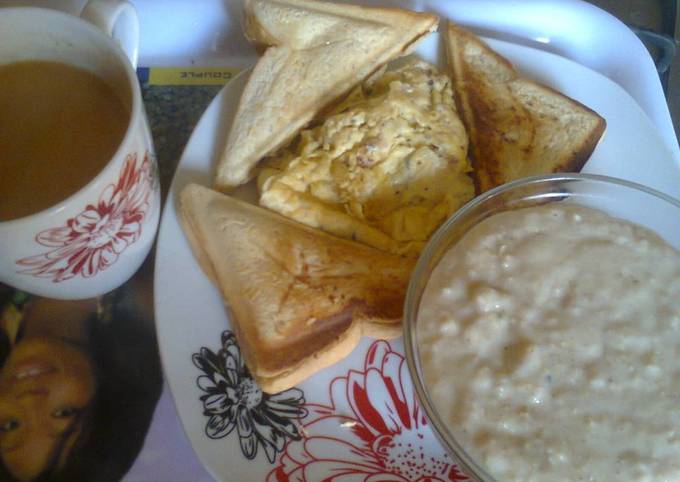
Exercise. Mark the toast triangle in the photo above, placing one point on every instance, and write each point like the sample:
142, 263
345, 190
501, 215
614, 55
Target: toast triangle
317, 51
301, 299
517, 127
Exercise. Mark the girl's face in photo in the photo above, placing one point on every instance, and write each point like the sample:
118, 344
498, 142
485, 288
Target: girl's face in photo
45, 387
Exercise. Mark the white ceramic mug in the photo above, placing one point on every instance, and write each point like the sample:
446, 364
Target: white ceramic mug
96, 239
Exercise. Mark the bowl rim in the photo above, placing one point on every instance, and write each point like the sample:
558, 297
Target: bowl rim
410, 311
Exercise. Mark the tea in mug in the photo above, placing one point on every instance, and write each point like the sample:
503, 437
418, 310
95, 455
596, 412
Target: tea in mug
59, 126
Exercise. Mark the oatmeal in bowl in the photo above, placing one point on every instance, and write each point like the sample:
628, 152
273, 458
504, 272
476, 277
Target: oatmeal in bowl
542, 324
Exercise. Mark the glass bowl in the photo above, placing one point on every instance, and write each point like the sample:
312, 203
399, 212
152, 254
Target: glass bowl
618, 198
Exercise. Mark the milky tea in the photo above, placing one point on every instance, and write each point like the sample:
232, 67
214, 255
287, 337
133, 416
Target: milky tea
59, 126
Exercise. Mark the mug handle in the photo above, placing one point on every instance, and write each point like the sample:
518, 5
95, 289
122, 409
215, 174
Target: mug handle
118, 19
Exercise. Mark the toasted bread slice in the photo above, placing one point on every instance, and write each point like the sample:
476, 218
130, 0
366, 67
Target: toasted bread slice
517, 127
318, 52
301, 299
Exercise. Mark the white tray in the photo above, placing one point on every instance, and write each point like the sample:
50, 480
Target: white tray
590, 28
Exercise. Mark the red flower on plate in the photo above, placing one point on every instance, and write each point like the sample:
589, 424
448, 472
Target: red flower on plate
92, 241
384, 435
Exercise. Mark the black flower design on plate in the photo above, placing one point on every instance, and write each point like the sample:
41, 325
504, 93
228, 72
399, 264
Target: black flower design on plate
233, 399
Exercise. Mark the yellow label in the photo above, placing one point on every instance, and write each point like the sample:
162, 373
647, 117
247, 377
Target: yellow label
191, 75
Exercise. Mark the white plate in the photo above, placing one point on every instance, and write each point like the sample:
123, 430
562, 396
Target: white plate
354, 427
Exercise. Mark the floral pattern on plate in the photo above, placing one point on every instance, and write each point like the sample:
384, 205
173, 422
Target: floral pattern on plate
232, 399
373, 430
92, 241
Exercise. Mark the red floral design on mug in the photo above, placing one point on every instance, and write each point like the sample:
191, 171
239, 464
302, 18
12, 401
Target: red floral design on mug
92, 241
386, 437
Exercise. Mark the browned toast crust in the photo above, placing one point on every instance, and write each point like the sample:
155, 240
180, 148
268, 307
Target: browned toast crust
300, 298
517, 127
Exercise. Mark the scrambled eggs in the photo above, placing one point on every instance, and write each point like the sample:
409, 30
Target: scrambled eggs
386, 167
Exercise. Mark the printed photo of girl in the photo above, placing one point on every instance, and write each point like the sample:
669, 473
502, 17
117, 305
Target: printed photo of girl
78, 384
